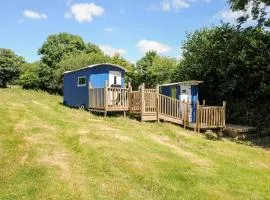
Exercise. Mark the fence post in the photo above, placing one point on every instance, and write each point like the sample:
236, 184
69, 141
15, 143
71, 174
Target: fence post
184, 112
204, 102
129, 97
142, 100
198, 116
157, 102
224, 116
105, 98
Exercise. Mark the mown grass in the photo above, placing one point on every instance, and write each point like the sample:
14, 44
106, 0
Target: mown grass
48, 151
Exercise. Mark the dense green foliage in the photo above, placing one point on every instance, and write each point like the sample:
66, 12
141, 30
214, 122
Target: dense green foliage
29, 78
255, 10
63, 52
152, 69
10, 64
235, 66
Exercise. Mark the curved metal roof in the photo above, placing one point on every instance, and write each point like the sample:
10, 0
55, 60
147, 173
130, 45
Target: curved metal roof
97, 65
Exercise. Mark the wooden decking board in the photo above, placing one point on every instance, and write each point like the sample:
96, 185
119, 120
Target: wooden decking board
240, 128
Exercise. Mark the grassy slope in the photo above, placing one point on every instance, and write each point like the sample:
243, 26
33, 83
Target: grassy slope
48, 151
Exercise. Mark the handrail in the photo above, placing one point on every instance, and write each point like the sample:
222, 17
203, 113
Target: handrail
210, 116
108, 98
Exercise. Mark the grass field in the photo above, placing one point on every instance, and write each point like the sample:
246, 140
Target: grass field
48, 151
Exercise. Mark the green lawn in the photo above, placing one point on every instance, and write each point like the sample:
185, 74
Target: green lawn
48, 151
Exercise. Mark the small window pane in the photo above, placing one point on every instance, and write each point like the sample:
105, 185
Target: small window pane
81, 81
184, 91
115, 80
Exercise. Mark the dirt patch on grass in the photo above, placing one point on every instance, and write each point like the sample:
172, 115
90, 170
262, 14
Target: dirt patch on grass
58, 160
61, 161
41, 139
20, 127
193, 158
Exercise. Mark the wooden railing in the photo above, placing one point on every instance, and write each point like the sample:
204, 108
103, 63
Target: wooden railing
150, 104
117, 98
108, 99
173, 108
210, 116
150, 101
135, 102
170, 107
97, 98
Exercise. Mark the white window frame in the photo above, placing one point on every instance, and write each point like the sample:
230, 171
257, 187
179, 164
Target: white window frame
78, 83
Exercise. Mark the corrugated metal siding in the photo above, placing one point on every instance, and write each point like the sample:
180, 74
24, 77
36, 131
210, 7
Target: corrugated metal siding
76, 96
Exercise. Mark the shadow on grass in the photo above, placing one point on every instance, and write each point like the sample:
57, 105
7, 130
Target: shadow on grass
258, 141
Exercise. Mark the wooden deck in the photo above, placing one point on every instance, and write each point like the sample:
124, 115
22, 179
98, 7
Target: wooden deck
240, 131
149, 105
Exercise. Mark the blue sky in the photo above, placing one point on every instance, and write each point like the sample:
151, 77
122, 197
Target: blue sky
130, 27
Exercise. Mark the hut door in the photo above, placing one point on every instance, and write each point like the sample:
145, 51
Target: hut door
115, 79
186, 95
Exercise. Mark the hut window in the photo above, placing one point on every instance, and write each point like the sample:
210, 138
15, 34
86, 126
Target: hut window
81, 81
114, 80
184, 91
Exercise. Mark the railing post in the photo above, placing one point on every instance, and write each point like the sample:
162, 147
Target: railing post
129, 97
105, 98
204, 102
198, 116
224, 116
157, 102
184, 112
142, 99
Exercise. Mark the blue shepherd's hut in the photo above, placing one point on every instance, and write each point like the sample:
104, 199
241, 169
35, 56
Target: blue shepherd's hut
186, 90
77, 82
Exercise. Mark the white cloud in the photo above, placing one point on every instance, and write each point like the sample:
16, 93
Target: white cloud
168, 5
149, 45
112, 51
84, 12
109, 29
34, 15
227, 15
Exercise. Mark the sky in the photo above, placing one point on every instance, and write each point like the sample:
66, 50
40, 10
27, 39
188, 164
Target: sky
129, 27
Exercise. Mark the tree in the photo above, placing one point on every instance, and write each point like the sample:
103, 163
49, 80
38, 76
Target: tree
54, 49
92, 48
235, 66
152, 69
118, 60
59, 45
10, 64
254, 9
29, 78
